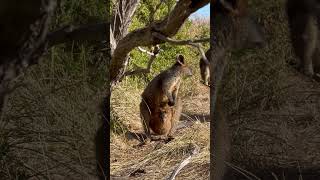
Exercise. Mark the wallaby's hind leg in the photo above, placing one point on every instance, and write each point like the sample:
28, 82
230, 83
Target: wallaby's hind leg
316, 62
145, 115
303, 32
207, 76
204, 72
316, 56
176, 117
310, 41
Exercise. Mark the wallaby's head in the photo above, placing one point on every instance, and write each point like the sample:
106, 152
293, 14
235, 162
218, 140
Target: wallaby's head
183, 68
233, 16
249, 33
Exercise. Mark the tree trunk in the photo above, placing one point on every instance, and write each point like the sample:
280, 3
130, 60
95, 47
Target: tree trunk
23, 30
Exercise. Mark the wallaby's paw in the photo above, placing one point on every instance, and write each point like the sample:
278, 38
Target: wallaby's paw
316, 77
168, 139
308, 71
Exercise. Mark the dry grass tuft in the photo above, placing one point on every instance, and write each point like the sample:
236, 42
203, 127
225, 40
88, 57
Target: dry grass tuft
49, 124
159, 160
273, 110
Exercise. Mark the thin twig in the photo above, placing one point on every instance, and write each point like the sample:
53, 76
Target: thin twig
145, 51
244, 172
153, 56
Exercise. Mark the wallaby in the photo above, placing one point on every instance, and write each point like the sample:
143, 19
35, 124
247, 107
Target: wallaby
231, 28
161, 107
240, 31
303, 21
205, 70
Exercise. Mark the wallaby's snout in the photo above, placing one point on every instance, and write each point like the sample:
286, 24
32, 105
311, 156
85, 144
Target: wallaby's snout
249, 34
255, 34
188, 72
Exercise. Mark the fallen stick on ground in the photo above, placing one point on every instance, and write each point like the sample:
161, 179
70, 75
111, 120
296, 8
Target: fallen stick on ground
194, 151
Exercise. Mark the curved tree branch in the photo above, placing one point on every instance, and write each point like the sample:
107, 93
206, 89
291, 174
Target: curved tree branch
121, 19
153, 56
194, 43
24, 42
169, 26
91, 32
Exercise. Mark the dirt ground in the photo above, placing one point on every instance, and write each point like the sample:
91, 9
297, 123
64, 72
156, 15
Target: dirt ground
159, 159
283, 139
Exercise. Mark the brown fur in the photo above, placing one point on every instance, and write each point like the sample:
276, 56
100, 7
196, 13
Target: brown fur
221, 146
161, 107
205, 70
303, 19
232, 29
235, 29
164, 120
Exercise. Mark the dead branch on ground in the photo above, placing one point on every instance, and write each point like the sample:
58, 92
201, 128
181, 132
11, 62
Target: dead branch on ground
194, 150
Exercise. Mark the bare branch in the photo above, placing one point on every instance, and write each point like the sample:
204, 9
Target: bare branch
179, 42
194, 151
194, 43
91, 32
203, 54
122, 16
145, 51
153, 56
22, 52
113, 42
169, 26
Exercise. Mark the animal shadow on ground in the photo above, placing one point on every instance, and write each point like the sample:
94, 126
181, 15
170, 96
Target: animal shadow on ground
185, 121
135, 136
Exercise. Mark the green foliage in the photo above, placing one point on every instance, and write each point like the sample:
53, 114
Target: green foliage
254, 77
166, 58
80, 12
146, 12
53, 116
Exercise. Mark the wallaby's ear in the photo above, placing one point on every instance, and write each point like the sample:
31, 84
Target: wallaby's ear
180, 59
235, 7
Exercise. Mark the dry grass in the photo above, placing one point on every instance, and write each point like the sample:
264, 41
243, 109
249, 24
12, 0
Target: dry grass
159, 160
273, 110
49, 123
